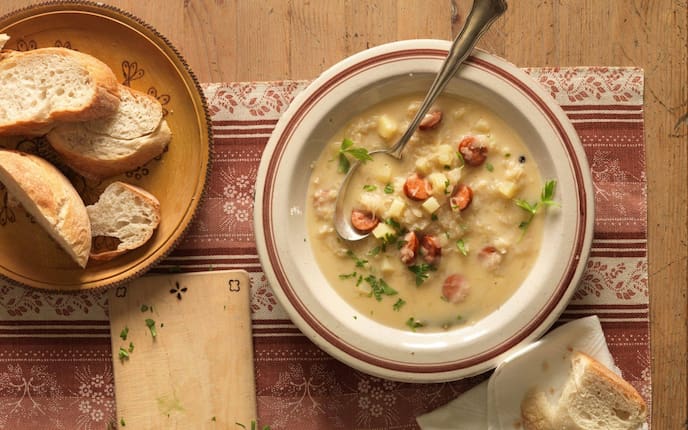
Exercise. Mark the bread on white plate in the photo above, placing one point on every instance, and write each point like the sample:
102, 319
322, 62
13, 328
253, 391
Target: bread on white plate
43, 86
124, 218
48, 196
593, 398
109, 146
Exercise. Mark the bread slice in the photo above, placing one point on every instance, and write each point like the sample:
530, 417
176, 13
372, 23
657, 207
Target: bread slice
124, 218
42, 86
106, 147
50, 198
593, 398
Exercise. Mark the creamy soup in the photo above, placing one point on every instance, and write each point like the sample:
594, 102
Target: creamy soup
451, 234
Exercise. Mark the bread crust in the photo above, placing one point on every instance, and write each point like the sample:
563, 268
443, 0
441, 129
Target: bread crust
591, 396
602, 372
104, 100
50, 198
146, 146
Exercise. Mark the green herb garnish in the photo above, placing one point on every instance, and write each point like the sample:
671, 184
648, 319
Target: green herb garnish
379, 287
389, 189
398, 304
254, 426
131, 347
123, 353
348, 275
144, 308
122, 423
123, 334
461, 246
359, 261
369, 188
546, 200
489, 167
421, 272
461, 160
151, 326
347, 148
413, 323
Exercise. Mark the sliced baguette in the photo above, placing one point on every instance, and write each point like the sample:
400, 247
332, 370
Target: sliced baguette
593, 398
50, 198
106, 147
124, 218
43, 86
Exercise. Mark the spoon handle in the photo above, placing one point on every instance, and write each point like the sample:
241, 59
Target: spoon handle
483, 13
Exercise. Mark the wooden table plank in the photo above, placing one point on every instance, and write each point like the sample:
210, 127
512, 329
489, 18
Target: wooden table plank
297, 39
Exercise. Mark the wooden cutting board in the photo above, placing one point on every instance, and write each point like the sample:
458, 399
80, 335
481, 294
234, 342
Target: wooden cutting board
197, 371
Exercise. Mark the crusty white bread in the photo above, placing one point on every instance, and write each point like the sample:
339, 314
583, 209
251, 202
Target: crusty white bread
43, 86
126, 213
106, 147
593, 398
50, 198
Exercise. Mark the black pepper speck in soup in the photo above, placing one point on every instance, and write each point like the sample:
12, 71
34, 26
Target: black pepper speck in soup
448, 243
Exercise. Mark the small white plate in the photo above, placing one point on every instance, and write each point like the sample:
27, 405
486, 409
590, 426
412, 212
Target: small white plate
543, 365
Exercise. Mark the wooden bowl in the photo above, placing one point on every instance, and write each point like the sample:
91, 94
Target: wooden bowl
143, 59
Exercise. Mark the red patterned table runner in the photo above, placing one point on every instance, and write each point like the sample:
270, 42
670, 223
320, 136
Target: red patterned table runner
55, 357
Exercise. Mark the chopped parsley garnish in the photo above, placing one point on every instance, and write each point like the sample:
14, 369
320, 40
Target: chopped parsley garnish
151, 326
146, 308
348, 275
122, 423
379, 287
123, 334
123, 353
421, 272
461, 160
413, 323
359, 261
389, 189
398, 304
546, 200
347, 148
433, 217
254, 426
369, 188
489, 167
375, 251
446, 186
461, 246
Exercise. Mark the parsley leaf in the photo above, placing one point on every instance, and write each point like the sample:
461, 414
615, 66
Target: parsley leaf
151, 326
421, 272
546, 200
461, 246
398, 304
369, 188
359, 261
379, 287
123, 353
123, 334
389, 189
346, 149
413, 323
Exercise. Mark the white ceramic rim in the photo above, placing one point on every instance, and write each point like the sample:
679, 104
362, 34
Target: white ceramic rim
324, 317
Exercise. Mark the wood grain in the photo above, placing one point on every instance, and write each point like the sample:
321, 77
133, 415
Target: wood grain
178, 379
244, 40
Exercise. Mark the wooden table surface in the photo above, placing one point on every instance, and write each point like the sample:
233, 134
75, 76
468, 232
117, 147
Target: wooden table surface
247, 40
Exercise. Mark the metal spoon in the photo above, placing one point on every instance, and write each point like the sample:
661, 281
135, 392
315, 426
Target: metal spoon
483, 13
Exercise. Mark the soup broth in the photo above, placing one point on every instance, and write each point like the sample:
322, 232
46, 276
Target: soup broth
450, 240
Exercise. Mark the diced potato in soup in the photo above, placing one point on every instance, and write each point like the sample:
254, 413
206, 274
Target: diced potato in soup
448, 243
